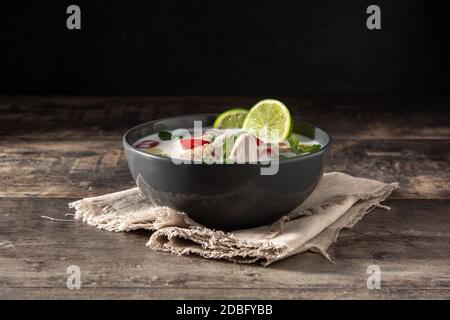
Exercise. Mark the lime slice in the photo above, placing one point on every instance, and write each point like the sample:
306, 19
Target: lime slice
269, 120
233, 118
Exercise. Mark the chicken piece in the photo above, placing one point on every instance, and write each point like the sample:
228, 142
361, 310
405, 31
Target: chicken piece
245, 149
221, 147
195, 154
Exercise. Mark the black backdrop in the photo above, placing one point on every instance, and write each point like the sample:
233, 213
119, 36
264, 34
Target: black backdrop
225, 47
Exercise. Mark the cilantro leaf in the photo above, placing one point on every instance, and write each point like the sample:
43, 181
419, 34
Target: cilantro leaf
294, 143
165, 135
309, 147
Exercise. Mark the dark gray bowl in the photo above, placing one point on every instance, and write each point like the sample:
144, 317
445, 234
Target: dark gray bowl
224, 196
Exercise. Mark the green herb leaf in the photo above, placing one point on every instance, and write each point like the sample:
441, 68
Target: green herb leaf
165, 135
294, 143
309, 147
228, 145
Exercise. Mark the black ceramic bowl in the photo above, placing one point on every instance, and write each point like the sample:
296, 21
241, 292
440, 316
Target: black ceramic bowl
224, 196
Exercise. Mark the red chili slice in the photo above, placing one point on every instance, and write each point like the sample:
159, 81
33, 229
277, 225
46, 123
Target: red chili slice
267, 151
147, 144
192, 143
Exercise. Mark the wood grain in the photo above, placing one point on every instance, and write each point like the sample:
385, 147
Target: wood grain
186, 293
87, 167
410, 244
57, 149
354, 118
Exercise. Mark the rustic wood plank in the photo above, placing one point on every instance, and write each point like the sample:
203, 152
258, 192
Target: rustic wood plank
77, 168
208, 294
356, 118
56, 149
410, 244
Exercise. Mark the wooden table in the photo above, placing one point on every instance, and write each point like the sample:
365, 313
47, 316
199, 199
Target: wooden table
57, 149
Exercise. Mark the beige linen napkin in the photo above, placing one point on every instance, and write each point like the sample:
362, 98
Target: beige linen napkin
338, 202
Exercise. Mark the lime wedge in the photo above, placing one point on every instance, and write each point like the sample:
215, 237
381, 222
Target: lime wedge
233, 118
269, 120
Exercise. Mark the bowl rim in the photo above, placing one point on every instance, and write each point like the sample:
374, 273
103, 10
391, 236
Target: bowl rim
323, 149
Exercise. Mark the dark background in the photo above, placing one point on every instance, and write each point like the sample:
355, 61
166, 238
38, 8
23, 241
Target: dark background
225, 47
